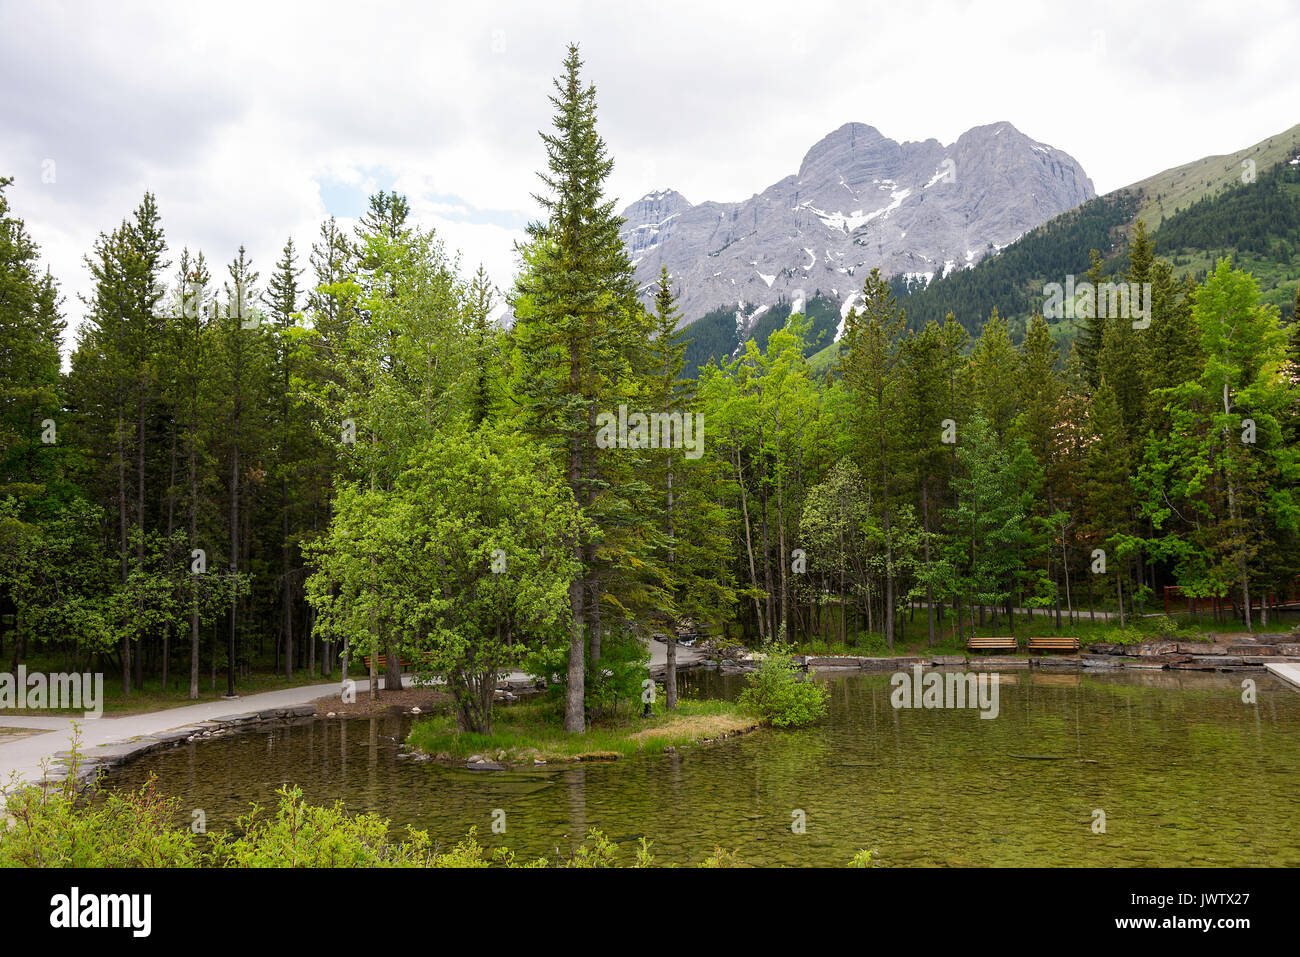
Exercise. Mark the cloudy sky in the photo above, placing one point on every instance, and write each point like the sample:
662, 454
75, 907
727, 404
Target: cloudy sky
253, 122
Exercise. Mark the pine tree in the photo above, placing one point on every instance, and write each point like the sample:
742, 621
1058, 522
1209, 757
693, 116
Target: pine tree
188, 345
695, 543
242, 363
115, 380
993, 535
34, 473
487, 348
869, 365
579, 330
1091, 327
993, 365
1107, 499
1040, 391
1124, 361
926, 362
30, 381
332, 264
1219, 487
282, 300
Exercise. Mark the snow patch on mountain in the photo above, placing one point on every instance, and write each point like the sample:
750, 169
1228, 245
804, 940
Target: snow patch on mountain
858, 200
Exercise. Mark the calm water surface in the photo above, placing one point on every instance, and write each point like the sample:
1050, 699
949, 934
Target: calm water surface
1185, 773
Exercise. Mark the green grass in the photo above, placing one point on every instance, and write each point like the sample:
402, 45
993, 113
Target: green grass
1277, 281
824, 358
534, 730
1179, 187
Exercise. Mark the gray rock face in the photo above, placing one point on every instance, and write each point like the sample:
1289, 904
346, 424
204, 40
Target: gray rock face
859, 200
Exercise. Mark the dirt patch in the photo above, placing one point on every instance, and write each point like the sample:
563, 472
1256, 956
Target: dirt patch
428, 700
703, 727
13, 734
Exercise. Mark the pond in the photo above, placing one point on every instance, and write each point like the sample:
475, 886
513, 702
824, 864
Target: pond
1184, 772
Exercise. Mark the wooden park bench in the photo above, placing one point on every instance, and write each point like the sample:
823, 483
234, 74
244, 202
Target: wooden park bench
992, 643
1054, 643
381, 662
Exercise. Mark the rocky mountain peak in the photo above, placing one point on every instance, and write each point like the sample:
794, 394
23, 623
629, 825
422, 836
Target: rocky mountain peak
860, 200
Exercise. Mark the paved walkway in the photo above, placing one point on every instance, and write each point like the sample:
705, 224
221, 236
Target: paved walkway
1288, 673
23, 757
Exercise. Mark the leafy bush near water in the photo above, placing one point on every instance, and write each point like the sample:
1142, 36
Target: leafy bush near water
779, 694
48, 828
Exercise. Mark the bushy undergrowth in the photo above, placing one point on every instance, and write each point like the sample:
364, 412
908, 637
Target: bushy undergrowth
779, 694
126, 829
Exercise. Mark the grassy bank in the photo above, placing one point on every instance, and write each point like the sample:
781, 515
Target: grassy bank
534, 730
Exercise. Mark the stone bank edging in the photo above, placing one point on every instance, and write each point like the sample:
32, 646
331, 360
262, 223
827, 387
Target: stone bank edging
1151, 656
102, 757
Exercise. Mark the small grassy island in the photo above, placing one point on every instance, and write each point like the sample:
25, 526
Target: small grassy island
534, 731
775, 694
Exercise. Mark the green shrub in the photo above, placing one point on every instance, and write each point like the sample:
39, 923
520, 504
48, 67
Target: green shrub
721, 858
55, 827
302, 835
871, 644
616, 685
1163, 627
778, 694
1124, 636
602, 853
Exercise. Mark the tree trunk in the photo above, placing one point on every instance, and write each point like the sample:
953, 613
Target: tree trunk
393, 665
234, 567
670, 676
574, 719
929, 586
139, 510
767, 568
121, 521
288, 604
784, 566
749, 547
889, 543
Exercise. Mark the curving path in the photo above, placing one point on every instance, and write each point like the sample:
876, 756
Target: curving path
22, 759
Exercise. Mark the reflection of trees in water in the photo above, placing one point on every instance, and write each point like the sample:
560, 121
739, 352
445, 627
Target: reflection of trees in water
1166, 746
575, 793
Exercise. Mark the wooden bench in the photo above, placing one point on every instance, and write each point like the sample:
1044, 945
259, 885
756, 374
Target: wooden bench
381, 662
992, 643
1054, 643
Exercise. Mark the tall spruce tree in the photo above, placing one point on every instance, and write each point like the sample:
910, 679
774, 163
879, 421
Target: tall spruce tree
869, 365
1091, 326
30, 383
580, 331
115, 388
281, 299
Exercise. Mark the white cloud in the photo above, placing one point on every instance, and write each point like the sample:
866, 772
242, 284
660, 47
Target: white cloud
235, 114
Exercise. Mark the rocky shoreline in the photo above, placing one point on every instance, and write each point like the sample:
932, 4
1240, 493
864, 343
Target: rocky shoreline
1237, 654
93, 760
1225, 655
